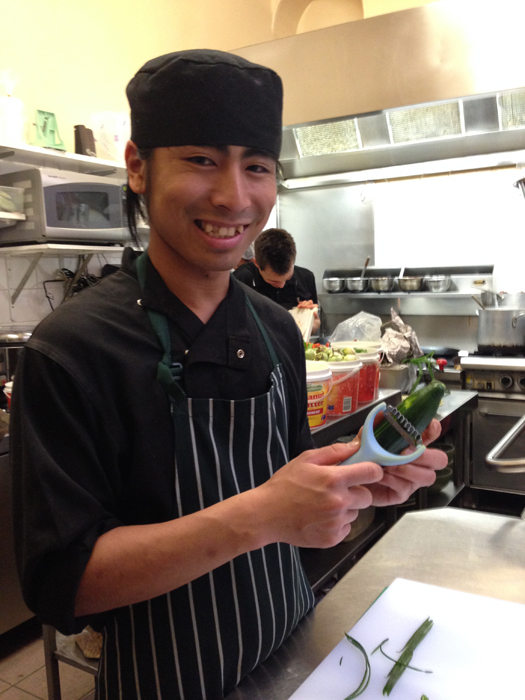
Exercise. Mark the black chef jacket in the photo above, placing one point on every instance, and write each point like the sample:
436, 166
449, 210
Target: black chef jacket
91, 433
300, 287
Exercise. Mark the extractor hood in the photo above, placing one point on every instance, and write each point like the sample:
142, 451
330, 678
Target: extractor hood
434, 88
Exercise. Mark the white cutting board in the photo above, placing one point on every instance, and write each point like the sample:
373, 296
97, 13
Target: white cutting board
476, 648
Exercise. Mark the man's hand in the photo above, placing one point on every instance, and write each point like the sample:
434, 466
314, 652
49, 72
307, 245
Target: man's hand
312, 500
309, 304
399, 483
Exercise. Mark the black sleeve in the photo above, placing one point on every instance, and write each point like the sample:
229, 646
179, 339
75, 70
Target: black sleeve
244, 274
64, 494
311, 286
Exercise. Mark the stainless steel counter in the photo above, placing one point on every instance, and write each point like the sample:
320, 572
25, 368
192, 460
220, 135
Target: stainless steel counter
459, 549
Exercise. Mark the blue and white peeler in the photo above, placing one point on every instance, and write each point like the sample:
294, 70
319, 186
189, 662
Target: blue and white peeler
371, 450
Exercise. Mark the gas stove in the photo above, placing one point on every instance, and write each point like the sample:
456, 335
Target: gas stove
499, 377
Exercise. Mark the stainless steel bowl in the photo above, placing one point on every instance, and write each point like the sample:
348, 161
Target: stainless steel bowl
333, 284
409, 284
437, 283
356, 284
382, 284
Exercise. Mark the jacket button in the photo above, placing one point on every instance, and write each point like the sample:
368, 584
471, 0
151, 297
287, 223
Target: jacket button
240, 353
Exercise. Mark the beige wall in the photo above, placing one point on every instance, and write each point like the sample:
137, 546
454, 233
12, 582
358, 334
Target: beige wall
74, 58
371, 8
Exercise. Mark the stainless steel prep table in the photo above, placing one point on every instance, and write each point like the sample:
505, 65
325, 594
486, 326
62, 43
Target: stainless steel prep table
463, 550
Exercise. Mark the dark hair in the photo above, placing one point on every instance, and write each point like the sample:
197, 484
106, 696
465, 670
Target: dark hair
275, 247
137, 204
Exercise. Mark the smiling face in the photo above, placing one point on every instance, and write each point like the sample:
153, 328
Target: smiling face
205, 204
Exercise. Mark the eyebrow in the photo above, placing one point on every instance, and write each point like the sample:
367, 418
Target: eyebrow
249, 152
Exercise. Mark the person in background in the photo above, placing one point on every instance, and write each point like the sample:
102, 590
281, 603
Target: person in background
274, 273
164, 471
247, 256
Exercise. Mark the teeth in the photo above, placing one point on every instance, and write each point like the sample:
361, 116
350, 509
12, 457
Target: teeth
221, 231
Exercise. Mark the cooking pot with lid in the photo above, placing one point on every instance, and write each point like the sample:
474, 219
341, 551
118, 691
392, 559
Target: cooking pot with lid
514, 301
501, 330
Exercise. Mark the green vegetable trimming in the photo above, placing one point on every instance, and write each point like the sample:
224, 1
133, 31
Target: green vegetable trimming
366, 678
412, 668
406, 655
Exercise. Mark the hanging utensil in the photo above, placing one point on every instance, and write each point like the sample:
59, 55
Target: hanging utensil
480, 303
358, 284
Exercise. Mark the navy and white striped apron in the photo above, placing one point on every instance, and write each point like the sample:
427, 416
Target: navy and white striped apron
200, 640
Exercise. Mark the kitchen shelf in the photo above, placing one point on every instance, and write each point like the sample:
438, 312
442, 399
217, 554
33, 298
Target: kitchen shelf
50, 158
407, 303
10, 218
59, 249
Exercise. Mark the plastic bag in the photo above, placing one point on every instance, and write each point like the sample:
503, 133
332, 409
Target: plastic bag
363, 326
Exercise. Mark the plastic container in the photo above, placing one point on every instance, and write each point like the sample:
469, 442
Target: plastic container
11, 200
318, 385
369, 346
369, 376
8, 390
343, 396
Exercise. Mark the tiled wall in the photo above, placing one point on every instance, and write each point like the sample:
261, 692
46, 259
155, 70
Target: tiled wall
32, 305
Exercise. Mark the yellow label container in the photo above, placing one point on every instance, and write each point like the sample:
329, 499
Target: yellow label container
318, 385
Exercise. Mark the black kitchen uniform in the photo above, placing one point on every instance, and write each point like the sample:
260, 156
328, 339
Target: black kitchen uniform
105, 444
300, 287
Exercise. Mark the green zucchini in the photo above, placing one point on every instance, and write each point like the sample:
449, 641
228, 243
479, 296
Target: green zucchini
419, 408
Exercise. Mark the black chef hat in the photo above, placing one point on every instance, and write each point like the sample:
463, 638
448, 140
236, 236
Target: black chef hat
205, 98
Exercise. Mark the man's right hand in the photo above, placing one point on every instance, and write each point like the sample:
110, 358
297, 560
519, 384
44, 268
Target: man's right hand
313, 500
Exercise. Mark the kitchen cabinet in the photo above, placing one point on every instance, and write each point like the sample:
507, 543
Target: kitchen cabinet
24, 265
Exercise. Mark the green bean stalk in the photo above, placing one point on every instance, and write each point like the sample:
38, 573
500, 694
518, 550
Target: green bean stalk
407, 652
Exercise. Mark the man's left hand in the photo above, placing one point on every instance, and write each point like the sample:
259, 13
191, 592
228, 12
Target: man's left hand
309, 304
400, 482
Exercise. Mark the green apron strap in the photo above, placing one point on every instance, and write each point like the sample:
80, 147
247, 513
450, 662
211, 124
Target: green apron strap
267, 341
169, 373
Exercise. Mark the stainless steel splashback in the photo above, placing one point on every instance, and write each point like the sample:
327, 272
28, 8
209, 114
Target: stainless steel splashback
332, 227
455, 50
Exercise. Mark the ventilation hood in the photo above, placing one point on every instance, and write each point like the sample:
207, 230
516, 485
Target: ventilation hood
432, 89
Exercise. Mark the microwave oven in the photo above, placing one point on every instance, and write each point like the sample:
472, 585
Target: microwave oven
62, 206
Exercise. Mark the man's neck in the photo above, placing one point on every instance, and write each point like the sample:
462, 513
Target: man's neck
201, 291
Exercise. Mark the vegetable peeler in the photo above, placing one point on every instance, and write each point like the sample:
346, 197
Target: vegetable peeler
371, 450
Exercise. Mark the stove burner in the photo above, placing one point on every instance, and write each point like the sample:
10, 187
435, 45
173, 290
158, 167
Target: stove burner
500, 351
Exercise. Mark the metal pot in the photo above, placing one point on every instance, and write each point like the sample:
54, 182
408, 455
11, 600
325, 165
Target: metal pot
409, 284
501, 330
333, 284
514, 301
437, 283
356, 284
381, 284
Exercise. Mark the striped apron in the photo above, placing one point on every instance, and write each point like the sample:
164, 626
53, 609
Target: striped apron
198, 641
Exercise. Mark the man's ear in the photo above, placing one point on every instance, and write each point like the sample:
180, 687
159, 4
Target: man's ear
254, 261
136, 168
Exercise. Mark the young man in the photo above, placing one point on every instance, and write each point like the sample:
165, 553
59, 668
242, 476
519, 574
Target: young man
162, 460
274, 273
